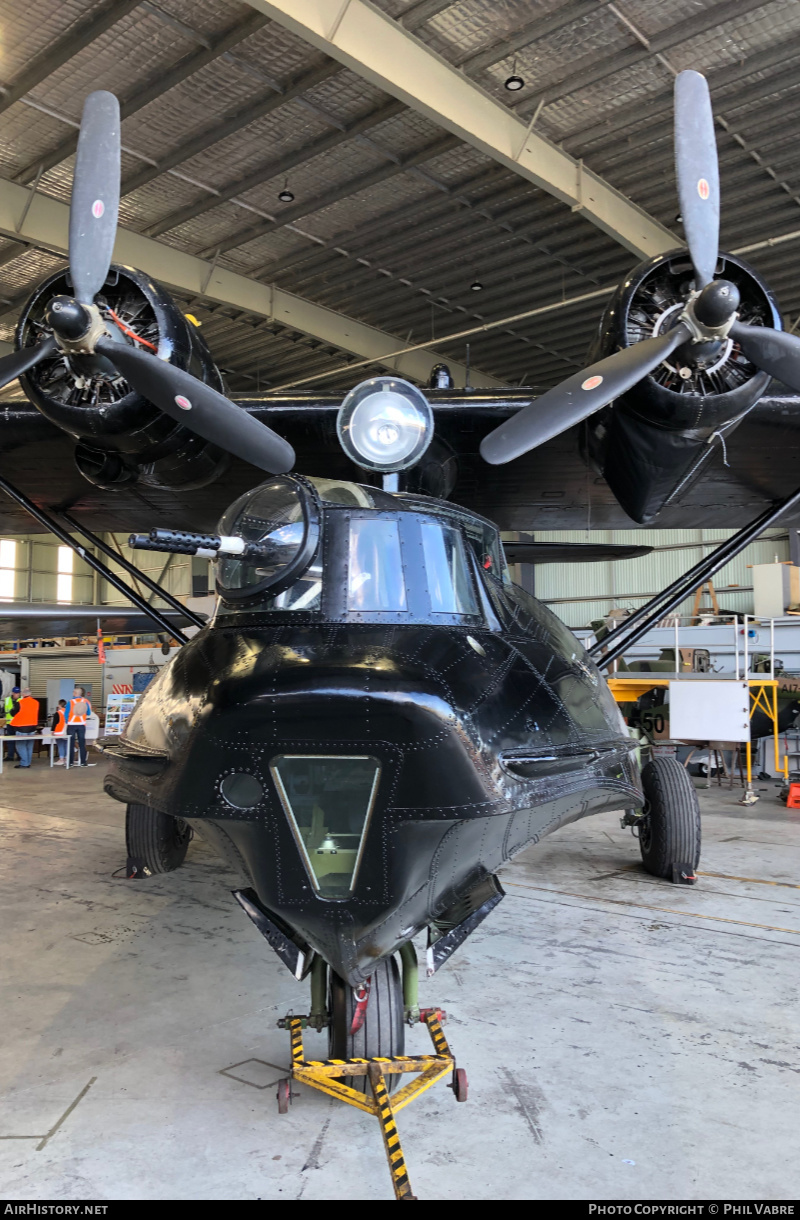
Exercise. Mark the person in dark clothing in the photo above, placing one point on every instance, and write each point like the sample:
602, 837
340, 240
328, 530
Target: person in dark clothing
58, 726
11, 707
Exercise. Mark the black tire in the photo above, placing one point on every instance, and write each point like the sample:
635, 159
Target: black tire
158, 839
383, 1034
669, 833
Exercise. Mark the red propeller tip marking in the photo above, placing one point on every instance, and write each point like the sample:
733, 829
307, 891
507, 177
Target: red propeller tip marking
591, 383
703, 189
98, 208
183, 403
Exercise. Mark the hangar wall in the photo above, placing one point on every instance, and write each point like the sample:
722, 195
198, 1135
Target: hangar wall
36, 565
580, 592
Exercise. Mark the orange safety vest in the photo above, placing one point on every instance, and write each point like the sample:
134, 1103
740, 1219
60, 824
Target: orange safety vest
78, 711
28, 714
61, 725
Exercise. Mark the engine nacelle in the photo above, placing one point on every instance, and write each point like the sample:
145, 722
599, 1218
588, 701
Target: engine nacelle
654, 438
121, 437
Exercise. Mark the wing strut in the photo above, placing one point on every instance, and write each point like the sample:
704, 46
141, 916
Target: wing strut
47, 521
132, 570
637, 624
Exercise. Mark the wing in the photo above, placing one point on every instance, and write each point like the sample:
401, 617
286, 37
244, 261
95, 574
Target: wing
570, 552
550, 488
25, 621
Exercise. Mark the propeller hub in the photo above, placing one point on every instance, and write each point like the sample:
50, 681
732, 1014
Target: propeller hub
69, 319
710, 313
76, 327
717, 303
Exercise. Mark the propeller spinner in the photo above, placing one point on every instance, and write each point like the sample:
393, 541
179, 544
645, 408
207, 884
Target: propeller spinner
707, 320
79, 327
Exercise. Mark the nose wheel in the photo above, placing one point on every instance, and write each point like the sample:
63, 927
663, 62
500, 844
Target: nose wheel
370, 1028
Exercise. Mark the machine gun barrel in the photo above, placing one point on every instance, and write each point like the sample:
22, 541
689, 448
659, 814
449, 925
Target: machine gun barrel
184, 542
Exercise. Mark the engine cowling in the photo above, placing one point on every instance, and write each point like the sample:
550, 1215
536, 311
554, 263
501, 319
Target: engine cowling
121, 437
654, 438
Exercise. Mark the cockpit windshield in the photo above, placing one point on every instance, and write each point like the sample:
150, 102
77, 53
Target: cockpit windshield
449, 585
376, 581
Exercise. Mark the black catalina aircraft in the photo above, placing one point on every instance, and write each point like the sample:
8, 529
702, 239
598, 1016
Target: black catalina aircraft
376, 719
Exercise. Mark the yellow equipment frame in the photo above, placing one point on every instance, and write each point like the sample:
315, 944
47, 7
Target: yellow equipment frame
324, 1074
763, 696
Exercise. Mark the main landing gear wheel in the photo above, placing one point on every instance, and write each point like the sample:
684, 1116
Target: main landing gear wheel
382, 1034
669, 832
158, 839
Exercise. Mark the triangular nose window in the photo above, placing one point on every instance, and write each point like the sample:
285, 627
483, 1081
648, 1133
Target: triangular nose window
328, 800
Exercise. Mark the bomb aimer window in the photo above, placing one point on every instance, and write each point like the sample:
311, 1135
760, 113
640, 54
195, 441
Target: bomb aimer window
328, 800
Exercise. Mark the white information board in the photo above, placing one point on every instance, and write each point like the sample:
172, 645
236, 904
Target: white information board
709, 710
118, 709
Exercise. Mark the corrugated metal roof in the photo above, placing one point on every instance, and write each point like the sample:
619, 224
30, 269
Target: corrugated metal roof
391, 223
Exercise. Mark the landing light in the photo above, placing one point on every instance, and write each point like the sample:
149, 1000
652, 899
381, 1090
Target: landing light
385, 424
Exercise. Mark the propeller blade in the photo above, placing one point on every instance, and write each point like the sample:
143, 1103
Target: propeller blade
578, 397
774, 351
200, 408
95, 196
19, 362
697, 172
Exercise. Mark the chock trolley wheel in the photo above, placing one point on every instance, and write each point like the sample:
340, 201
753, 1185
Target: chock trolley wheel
460, 1085
284, 1096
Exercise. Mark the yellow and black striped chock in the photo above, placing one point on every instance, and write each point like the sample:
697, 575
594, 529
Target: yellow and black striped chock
326, 1075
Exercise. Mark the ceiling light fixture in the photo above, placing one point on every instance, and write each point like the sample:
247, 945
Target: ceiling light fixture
514, 82
286, 195
476, 286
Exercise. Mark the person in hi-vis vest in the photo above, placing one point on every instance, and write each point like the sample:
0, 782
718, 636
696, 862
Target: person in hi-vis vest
75, 715
58, 727
8, 708
25, 721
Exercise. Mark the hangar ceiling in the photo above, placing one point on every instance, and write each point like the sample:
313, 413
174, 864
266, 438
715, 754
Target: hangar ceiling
400, 202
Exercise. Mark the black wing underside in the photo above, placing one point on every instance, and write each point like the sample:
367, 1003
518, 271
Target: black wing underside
570, 552
549, 488
25, 621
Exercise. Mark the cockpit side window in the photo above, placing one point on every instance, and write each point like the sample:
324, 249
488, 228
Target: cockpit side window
449, 586
375, 579
488, 549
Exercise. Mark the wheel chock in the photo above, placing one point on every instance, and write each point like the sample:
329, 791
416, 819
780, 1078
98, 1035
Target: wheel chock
683, 874
326, 1076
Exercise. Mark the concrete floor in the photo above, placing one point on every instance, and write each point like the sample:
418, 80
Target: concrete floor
624, 1038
